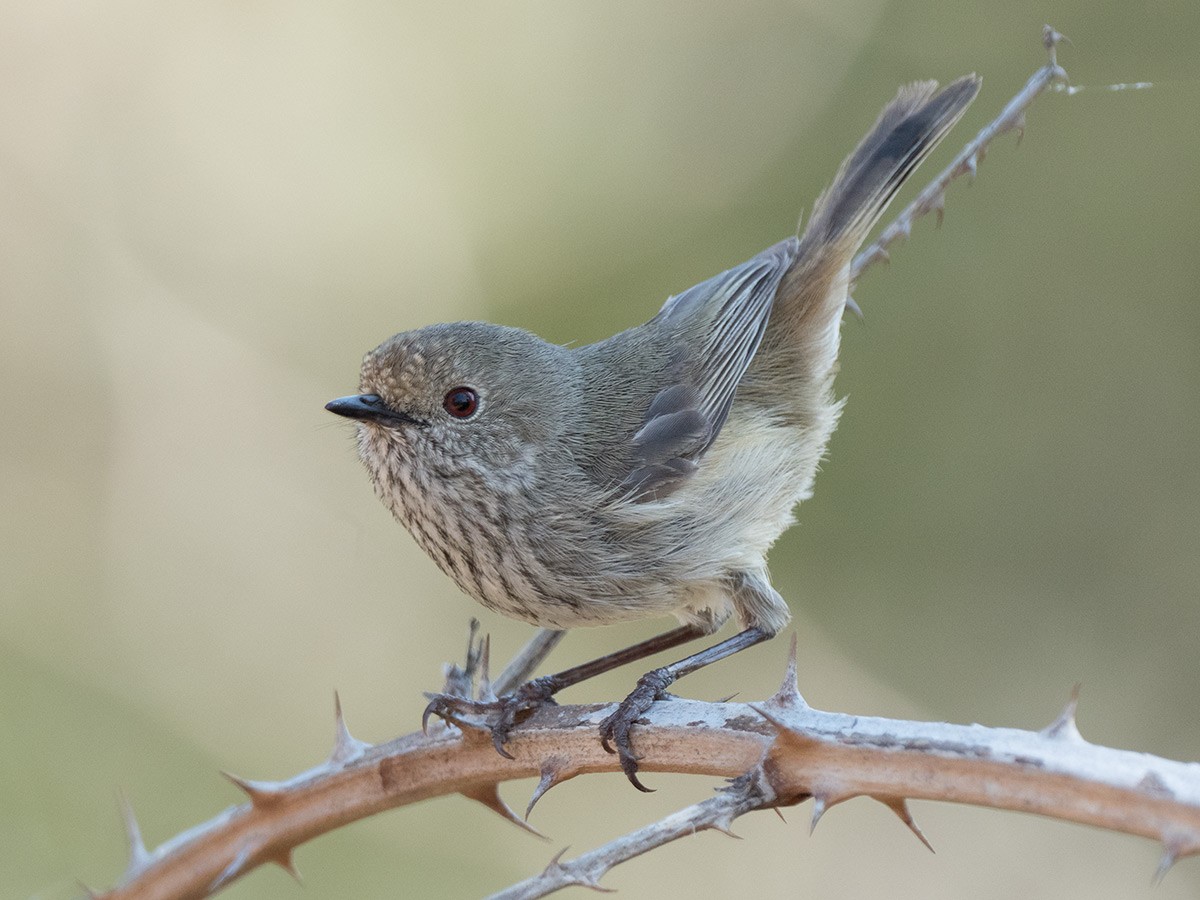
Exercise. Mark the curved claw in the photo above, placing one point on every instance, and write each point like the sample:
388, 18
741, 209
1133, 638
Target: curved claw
430, 709
501, 715
448, 708
425, 718
614, 730
614, 737
499, 738
631, 773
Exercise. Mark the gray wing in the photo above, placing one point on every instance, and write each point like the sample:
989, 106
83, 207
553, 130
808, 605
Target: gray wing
714, 330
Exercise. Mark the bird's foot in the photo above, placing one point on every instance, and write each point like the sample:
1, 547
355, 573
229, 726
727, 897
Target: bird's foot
500, 716
614, 730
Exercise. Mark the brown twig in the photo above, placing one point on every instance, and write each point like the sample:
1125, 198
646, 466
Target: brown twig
358, 781
832, 758
783, 752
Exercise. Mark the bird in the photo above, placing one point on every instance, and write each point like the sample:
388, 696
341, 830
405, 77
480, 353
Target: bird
648, 474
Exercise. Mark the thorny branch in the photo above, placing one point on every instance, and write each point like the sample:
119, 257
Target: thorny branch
933, 197
745, 794
832, 757
776, 753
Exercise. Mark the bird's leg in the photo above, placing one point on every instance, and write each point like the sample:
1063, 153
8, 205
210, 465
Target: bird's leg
510, 709
614, 730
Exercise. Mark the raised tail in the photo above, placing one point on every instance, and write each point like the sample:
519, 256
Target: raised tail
809, 302
798, 354
904, 134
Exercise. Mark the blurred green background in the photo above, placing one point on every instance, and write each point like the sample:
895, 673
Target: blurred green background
210, 211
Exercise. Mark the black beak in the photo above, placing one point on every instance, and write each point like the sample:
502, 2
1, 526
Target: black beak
370, 408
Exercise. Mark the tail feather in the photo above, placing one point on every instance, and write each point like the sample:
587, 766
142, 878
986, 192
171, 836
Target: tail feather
904, 134
800, 345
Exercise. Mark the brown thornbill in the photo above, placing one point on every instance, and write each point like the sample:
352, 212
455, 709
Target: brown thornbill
649, 473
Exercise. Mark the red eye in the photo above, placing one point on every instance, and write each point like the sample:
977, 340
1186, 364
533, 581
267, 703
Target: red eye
461, 402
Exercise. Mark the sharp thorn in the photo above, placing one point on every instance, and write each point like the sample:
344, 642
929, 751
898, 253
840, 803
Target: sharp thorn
938, 204
261, 793
818, 810
284, 860
788, 694
591, 883
346, 747
971, 165
595, 886
725, 826
779, 813
854, 308
1175, 847
489, 796
1165, 862
899, 806
1064, 728
554, 772
822, 803
139, 856
556, 867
